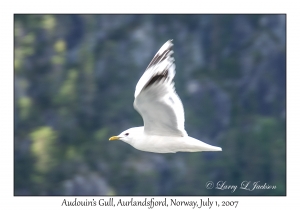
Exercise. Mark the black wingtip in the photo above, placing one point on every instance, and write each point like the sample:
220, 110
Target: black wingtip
161, 54
159, 77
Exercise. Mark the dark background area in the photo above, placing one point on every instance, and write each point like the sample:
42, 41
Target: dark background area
74, 81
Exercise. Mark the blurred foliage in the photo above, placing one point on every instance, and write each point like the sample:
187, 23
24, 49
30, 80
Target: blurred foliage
43, 148
74, 83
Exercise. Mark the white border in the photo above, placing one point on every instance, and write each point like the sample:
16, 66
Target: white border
8, 8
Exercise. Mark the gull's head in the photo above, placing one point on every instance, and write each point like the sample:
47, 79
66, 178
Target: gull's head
128, 135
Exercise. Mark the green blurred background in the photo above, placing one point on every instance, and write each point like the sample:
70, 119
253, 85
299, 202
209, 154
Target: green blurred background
74, 81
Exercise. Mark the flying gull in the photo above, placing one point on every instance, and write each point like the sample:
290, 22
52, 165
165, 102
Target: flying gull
162, 111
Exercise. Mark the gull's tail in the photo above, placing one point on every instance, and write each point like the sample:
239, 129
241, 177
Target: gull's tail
201, 146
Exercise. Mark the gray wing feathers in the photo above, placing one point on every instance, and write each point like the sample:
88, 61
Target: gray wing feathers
156, 99
162, 111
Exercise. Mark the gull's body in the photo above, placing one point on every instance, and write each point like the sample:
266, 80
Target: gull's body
162, 111
167, 144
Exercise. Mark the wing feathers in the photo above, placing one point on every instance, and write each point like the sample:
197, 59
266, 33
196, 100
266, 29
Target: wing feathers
156, 99
162, 54
156, 78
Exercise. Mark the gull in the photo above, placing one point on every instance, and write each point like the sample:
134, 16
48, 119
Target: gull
162, 111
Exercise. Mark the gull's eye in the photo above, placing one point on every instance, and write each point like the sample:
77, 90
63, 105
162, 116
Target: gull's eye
126, 134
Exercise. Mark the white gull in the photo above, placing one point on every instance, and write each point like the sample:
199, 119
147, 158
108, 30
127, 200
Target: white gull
162, 111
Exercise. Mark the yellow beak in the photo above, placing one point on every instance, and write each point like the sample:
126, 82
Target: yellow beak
114, 138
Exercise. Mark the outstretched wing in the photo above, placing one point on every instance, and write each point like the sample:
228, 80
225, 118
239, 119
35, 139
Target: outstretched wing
156, 99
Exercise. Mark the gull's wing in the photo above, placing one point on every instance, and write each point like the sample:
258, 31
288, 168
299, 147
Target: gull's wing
156, 99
